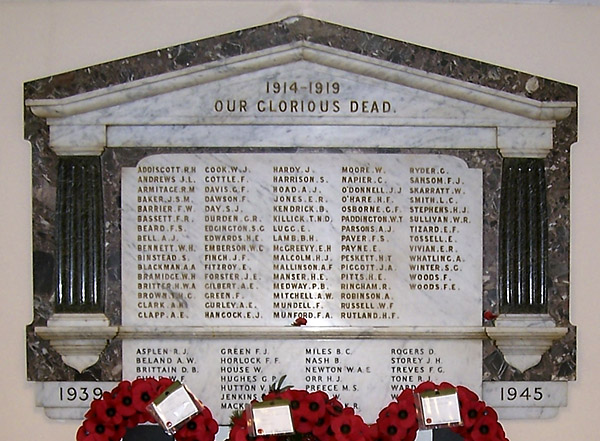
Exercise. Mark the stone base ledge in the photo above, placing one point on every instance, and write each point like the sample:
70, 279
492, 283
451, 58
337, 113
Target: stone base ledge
81, 338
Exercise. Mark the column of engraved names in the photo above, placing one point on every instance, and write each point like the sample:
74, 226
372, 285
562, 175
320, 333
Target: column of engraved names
436, 214
336, 369
164, 361
301, 258
244, 374
413, 364
166, 272
230, 236
370, 214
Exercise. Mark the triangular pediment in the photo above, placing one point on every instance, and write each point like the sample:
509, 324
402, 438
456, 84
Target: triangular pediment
301, 80
264, 97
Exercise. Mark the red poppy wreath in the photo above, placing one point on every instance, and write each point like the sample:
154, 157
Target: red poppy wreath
398, 421
316, 416
125, 406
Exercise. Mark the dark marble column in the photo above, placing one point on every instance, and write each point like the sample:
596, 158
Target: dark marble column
79, 235
523, 241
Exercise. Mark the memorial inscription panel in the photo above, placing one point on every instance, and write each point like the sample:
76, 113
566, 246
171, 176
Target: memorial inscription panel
301, 208
228, 374
340, 239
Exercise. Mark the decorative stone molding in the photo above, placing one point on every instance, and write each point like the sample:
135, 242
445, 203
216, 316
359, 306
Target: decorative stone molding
301, 51
85, 140
294, 333
222, 110
439, 112
78, 338
524, 142
523, 338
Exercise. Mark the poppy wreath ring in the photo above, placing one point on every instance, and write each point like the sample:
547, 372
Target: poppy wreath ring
317, 416
124, 407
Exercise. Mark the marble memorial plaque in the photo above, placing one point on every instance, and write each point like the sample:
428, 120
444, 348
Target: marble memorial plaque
199, 212
340, 239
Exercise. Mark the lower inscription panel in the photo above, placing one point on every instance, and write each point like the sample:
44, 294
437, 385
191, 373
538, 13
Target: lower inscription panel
226, 374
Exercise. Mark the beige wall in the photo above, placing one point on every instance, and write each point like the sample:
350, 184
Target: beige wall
40, 38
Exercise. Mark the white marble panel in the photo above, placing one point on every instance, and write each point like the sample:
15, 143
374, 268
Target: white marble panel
78, 140
226, 374
327, 136
525, 393
303, 92
526, 399
525, 142
340, 239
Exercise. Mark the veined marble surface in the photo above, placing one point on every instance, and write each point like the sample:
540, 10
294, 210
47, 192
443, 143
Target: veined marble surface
227, 374
341, 239
475, 142
293, 86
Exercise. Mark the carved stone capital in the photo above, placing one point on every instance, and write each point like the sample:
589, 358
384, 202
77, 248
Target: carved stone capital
523, 338
78, 338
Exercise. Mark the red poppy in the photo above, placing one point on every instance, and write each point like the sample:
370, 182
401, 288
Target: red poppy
265, 438
322, 430
239, 418
374, 432
389, 429
486, 426
162, 384
470, 413
445, 385
489, 315
312, 408
470, 406
239, 433
348, 426
211, 425
411, 434
300, 321
202, 427
105, 410
334, 406
407, 394
301, 424
426, 386
134, 420
407, 414
403, 413
363, 432
124, 399
143, 392
189, 429
119, 432
465, 394
500, 434
294, 396
94, 430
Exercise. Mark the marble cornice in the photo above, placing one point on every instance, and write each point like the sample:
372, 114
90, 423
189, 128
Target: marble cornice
280, 55
299, 333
